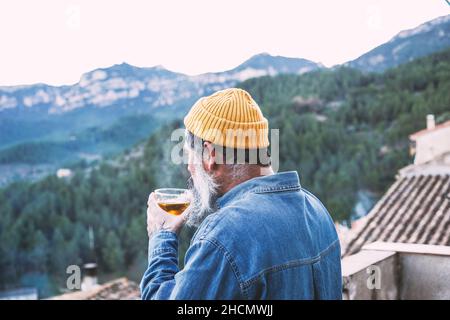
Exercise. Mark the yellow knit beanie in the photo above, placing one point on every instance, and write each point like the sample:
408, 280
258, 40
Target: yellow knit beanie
229, 118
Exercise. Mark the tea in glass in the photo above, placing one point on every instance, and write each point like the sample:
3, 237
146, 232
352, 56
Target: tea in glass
172, 200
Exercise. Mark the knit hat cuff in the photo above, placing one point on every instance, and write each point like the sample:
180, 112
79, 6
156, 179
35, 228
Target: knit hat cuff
227, 133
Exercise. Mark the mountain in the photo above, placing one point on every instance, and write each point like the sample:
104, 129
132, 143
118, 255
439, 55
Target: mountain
91, 118
266, 64
146, 87
425, 39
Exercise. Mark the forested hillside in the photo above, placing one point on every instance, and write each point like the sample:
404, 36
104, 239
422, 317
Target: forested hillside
342, 130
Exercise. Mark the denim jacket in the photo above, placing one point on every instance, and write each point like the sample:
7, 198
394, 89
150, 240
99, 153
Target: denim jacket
269, 239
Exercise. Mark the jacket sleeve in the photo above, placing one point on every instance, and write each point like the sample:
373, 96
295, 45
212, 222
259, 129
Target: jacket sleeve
209, 272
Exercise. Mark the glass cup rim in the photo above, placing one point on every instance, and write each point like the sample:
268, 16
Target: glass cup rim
171, 191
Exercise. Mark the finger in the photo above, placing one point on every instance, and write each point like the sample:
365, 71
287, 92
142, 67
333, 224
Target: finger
150, 216
151, 198
153, 204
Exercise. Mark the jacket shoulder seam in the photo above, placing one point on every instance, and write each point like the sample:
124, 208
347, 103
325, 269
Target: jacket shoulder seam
277, 189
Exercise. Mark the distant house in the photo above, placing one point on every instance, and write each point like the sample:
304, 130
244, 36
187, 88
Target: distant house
416, 208
118, 289
404, 241
430, 143
63, 173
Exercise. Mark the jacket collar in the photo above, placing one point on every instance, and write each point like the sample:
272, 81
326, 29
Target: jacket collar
283, 181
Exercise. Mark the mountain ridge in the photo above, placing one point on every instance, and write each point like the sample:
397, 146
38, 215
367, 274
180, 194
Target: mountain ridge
428, 37
105, 86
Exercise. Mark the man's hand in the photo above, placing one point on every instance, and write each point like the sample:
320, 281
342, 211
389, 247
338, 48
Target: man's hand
158, 219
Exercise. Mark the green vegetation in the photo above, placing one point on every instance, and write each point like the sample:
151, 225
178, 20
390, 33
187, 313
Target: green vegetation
342, 130
345, 131
101, 141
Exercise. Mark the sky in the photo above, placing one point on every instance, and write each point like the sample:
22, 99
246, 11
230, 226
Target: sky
56, 41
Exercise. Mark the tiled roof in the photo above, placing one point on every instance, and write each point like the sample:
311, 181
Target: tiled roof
119, 289
415, 209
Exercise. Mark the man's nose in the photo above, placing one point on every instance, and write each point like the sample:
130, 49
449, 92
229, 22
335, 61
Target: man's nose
190, 168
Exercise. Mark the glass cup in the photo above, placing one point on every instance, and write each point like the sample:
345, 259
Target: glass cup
173, 200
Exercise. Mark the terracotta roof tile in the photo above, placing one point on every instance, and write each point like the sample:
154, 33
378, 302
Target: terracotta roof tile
119, 289
415, 209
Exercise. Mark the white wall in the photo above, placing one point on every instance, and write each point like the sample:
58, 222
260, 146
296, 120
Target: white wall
432, 144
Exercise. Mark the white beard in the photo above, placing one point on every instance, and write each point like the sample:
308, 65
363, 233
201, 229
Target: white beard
204, 192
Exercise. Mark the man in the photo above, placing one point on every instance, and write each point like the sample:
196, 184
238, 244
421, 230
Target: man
260, 235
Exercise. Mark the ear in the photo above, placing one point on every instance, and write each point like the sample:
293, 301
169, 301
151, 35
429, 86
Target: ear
209, 158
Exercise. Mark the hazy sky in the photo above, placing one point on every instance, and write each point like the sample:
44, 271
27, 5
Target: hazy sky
55, 41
